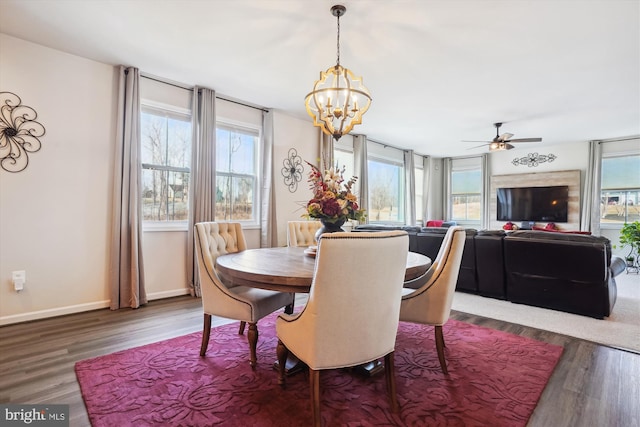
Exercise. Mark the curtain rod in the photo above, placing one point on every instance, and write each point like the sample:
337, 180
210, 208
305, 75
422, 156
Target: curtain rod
190, 88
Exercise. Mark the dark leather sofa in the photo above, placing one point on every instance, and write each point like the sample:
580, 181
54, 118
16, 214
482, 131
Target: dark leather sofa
566, 272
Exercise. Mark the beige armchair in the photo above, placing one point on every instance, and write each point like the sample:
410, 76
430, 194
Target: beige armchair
351, 317
242, 303
430, 304
302, 233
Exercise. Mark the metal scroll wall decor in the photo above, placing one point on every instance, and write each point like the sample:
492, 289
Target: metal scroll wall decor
292, 169
19, 132
533, 159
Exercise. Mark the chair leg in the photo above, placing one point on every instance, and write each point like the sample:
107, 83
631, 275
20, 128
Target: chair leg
389, 373
242, 325
253, 343
206, 331
314, 385
283, 353
440, 348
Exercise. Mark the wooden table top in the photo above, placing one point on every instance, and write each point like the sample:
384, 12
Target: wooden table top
287, 269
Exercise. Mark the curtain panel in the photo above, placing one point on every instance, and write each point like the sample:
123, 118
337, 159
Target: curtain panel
410, 179
126, 267
268, 220
202, 201
361, 171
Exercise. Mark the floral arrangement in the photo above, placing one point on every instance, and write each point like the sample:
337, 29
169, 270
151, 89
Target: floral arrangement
333, 201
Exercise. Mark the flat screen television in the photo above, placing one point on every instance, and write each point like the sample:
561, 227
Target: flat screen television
549, 204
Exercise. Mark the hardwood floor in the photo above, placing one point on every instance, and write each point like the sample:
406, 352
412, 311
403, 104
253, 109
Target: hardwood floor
591, 386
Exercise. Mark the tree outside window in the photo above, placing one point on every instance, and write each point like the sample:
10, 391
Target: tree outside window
166, 158
236, 173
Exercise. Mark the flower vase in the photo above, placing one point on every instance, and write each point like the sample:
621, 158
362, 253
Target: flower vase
329, 227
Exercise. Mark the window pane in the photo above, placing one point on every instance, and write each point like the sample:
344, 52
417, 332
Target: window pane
166, 158
236, 173
234, 198
620, 193
165, 195
619, 207
466, 207
386, 195
235, 151
344, 159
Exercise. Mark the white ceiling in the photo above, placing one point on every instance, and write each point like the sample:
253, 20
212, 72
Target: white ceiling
439, 71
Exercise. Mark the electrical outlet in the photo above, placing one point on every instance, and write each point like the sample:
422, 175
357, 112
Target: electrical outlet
19, 277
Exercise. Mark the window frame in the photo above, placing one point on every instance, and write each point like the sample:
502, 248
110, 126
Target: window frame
617, 225
175, 111
461, 165
249, 128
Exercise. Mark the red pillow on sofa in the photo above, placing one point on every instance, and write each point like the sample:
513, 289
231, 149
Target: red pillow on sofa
560, 231
434, 223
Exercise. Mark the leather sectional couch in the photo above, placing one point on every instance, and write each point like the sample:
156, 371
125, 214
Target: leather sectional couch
567, 272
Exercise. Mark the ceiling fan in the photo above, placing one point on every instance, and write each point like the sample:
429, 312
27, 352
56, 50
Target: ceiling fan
503, 142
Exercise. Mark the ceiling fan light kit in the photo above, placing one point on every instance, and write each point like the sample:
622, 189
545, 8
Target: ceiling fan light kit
339, 98
504, 142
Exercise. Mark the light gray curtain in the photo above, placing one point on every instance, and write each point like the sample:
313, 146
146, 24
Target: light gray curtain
326, 151
126, 270
427, 199
268, 223
202, 194
446, 188
485, 166
361, 171
410, 179
590, 220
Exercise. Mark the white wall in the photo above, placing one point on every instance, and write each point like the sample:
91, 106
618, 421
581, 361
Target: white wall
55, 215
291, 132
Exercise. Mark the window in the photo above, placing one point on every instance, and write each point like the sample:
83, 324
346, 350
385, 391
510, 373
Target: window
166, 159
620, 189
386, 184
466, 191
236, 173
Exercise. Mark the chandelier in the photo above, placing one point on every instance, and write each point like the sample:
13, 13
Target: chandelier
339, 98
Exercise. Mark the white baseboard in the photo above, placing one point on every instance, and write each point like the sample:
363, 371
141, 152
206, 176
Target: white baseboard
79, 308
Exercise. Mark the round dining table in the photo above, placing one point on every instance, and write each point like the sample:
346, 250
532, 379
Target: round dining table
290, 269
287, 269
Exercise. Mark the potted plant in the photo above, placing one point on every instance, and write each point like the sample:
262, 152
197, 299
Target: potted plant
630, 236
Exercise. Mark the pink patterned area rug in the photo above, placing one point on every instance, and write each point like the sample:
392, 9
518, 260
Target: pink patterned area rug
495, 379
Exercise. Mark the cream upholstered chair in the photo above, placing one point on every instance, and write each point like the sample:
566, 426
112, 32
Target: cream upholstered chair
351, 316
243, 303
430, 304
302, 233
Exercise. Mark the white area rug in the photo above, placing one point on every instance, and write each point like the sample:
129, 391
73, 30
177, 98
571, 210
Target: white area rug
620, 330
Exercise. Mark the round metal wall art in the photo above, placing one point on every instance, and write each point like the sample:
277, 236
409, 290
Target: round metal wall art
19, 132
533, 159
292, 169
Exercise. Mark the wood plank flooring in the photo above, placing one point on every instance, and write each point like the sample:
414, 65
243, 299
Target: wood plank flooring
591, 386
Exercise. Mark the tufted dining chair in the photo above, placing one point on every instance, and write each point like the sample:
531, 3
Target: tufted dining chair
233, 302
302, 233
430, 303
351, 316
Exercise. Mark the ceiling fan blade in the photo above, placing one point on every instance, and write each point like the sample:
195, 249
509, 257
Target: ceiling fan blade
478, 146
525, 140
486, 142
505, 136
